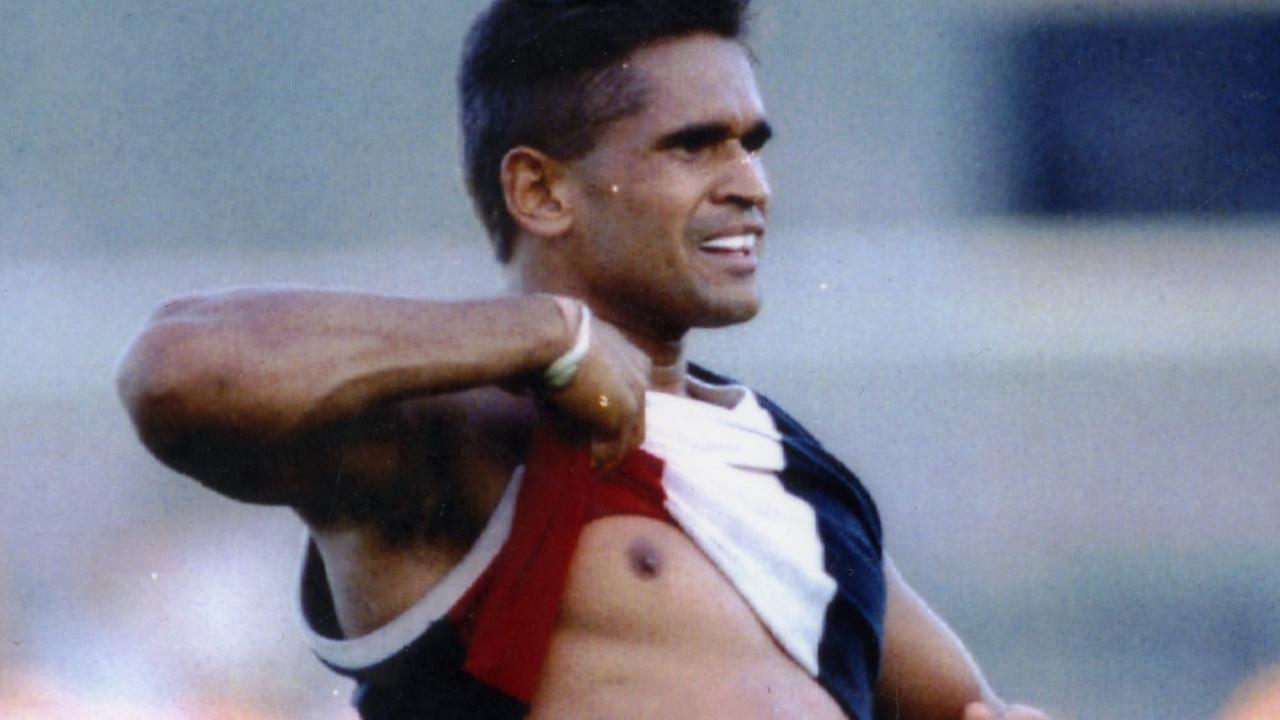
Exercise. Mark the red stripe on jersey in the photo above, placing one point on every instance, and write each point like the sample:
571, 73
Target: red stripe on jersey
508, 615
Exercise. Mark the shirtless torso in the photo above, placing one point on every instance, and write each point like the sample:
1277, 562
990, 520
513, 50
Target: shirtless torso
647, 626
393, 426
679, 644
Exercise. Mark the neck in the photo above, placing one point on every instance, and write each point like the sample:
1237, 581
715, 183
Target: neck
667, 369
665, 349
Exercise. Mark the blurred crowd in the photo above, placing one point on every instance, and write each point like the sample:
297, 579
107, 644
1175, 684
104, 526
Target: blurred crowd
25, 696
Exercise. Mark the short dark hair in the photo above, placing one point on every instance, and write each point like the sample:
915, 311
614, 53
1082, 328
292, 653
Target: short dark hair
544, 73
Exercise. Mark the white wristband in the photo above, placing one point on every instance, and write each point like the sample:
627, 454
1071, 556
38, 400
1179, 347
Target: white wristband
561, 371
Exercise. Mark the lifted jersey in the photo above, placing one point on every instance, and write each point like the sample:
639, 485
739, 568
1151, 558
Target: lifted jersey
791, 528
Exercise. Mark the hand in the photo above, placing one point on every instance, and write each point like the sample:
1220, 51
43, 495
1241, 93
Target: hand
607, 394
983, 711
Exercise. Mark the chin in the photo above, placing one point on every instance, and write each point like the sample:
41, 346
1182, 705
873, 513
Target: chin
724, 313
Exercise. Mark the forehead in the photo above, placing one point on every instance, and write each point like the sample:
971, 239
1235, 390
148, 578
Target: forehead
700, 78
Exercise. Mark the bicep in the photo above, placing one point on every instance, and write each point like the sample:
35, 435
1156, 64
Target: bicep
926, 673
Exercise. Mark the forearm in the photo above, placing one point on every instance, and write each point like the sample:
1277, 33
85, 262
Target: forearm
926, 673
275, 363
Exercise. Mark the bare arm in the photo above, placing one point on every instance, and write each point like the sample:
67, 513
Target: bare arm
926, 672
223, 386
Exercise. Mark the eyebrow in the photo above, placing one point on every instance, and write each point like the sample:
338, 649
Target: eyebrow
757, 135
712, 133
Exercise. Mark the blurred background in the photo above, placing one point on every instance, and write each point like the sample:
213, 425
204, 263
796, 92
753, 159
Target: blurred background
1023, 274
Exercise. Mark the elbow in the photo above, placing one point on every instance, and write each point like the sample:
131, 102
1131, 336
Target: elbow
156, 380
177, 393
212, 364
177, 378
198, 406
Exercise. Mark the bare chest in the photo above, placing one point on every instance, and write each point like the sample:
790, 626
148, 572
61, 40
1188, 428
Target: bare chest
649, 627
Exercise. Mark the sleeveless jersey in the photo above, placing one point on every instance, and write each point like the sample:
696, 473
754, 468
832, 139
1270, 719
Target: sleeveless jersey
792, 529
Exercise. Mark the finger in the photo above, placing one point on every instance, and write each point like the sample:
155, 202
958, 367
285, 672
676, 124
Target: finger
599, 453
606, 453
638, 423
978, 711
609, 450
620, 448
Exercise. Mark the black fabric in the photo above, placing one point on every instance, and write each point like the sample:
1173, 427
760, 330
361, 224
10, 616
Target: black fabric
425, 681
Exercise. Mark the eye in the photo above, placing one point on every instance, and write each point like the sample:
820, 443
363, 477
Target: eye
693, 146
699, 140
695, 140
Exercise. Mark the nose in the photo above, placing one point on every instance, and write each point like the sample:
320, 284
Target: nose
743, 181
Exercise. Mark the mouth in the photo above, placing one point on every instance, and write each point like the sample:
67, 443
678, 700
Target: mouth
742, 245
736, 255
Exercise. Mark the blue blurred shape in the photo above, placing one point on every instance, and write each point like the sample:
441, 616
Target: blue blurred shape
1166, 114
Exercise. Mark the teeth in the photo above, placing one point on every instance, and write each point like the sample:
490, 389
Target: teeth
733, 242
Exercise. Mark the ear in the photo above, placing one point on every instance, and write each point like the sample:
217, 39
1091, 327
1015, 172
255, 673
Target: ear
531, 184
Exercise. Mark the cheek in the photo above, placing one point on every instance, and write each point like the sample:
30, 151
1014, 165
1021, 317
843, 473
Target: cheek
648, 212
659, 207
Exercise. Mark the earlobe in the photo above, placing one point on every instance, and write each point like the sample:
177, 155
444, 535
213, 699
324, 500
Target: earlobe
531, 184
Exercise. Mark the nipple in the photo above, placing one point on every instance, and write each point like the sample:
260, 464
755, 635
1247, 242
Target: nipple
645, 558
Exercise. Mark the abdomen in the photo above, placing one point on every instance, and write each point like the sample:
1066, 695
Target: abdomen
649, 628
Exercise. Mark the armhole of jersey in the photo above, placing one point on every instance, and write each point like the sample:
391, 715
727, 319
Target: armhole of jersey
315, 599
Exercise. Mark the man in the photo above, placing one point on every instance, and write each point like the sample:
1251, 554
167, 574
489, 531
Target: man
487, 538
